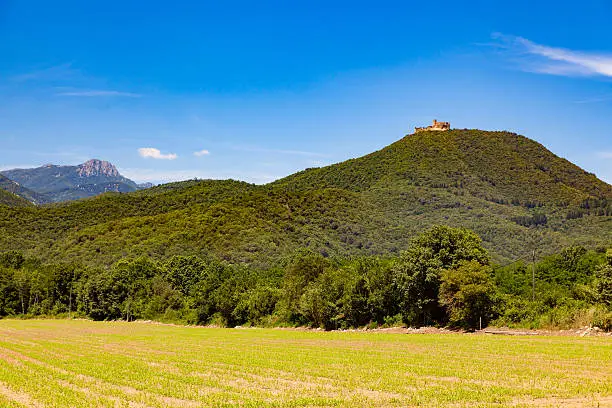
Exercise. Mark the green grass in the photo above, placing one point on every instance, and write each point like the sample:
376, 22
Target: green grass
59, 363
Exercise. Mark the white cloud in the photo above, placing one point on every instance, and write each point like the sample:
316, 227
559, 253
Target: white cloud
94, 93
201, 153
555, 61
605, 155
153, 153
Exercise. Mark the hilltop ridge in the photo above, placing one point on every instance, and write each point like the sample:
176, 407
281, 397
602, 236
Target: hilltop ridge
488, 164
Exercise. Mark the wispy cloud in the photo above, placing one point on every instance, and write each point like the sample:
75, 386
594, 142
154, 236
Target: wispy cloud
201, 153
98, 93
545, 59
62, 72
605, 155
67, 80
597, 99
153, 153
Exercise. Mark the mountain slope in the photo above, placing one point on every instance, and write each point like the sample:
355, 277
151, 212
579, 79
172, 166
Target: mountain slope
7, 195
512, 191
64, 183
497, 165
14, 188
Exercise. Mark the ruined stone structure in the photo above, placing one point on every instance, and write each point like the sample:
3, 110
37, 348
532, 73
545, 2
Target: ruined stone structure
438, 126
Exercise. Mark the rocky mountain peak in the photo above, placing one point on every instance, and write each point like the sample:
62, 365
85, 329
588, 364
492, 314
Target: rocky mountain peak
97, 167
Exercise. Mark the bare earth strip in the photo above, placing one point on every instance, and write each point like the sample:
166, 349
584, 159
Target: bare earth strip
18, 397
595, 401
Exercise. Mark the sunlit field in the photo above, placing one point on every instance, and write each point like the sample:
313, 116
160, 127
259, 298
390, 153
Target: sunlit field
61, 363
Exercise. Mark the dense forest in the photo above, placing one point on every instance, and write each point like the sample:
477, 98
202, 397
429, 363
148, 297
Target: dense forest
508, 189
443, 277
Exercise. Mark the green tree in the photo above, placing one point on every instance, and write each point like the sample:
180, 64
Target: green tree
12, 259
256, 303
205, 292
603, 281
164, 302
417, 272
303, 268
9, 293
317, 306
121, 292
336, 299
467, 292
183, 272
374, 286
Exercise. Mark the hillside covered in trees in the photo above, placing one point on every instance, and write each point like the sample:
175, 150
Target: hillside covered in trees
510, 190
12, 194
444, 277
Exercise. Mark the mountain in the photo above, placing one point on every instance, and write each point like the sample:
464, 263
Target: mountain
14, 188
512, 191
64, 183
142, 186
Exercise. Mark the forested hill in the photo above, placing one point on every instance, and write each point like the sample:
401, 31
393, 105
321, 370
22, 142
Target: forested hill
512, 191
9, 189
501, 166
8, 198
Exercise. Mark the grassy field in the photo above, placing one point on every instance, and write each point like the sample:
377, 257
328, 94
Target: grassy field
82, 364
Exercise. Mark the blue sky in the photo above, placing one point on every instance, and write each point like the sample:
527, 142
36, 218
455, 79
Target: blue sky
258, 90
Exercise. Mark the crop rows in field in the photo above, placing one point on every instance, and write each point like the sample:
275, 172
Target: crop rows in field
57, 363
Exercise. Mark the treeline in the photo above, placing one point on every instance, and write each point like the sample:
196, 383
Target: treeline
591, 206
530, 221
444, 277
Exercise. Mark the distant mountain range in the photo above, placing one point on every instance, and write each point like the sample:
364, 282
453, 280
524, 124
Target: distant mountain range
511, 190
51, 183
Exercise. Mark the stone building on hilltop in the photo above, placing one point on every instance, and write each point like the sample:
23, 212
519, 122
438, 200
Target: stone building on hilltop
437, 126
